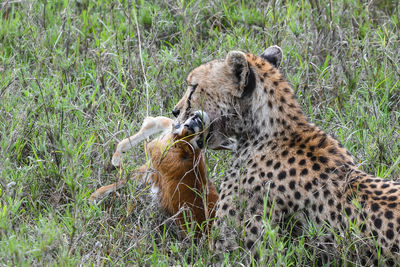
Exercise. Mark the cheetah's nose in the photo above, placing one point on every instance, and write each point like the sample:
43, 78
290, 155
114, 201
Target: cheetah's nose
176, 112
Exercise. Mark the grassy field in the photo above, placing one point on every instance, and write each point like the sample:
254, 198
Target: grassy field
77, 76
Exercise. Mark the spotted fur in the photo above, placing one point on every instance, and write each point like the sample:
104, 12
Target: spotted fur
286, 164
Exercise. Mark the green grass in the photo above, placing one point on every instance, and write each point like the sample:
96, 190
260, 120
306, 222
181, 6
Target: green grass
72, 82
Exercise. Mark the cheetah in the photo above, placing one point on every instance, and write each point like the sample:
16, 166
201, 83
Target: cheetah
177, 172
284, 167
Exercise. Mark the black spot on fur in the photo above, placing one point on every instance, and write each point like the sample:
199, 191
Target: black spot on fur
281, 188
277, 165
314, 207
254, 230
378, 223
308, 186
390, 234
385, 186
322, 142
332, 151
282, 175
362, 186
304, 172
316, 167
323, 176
321, 208
251, 179
292, 184
323, 159
250, 244
389, 214
395, 249
375, 207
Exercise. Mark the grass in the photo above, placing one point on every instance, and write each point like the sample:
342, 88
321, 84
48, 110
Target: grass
74, 78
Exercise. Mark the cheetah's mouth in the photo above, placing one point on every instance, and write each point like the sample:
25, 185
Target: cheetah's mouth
209, 132
196, 127
198, 122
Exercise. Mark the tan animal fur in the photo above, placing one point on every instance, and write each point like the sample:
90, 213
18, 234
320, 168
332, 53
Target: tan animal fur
177, 171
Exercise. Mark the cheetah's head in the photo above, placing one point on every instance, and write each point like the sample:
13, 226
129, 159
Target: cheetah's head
222, 88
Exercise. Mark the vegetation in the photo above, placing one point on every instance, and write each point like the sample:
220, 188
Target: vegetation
77, 76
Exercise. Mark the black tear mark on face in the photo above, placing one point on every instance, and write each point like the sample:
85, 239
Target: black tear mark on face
250, 83
194, 86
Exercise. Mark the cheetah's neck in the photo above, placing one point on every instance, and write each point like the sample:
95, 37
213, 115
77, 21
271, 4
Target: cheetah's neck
273, 118
273, 111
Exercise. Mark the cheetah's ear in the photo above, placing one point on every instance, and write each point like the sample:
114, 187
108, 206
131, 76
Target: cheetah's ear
273, 55
239, 67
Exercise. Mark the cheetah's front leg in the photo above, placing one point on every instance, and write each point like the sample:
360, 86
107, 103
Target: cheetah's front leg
243, 210
226, 224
